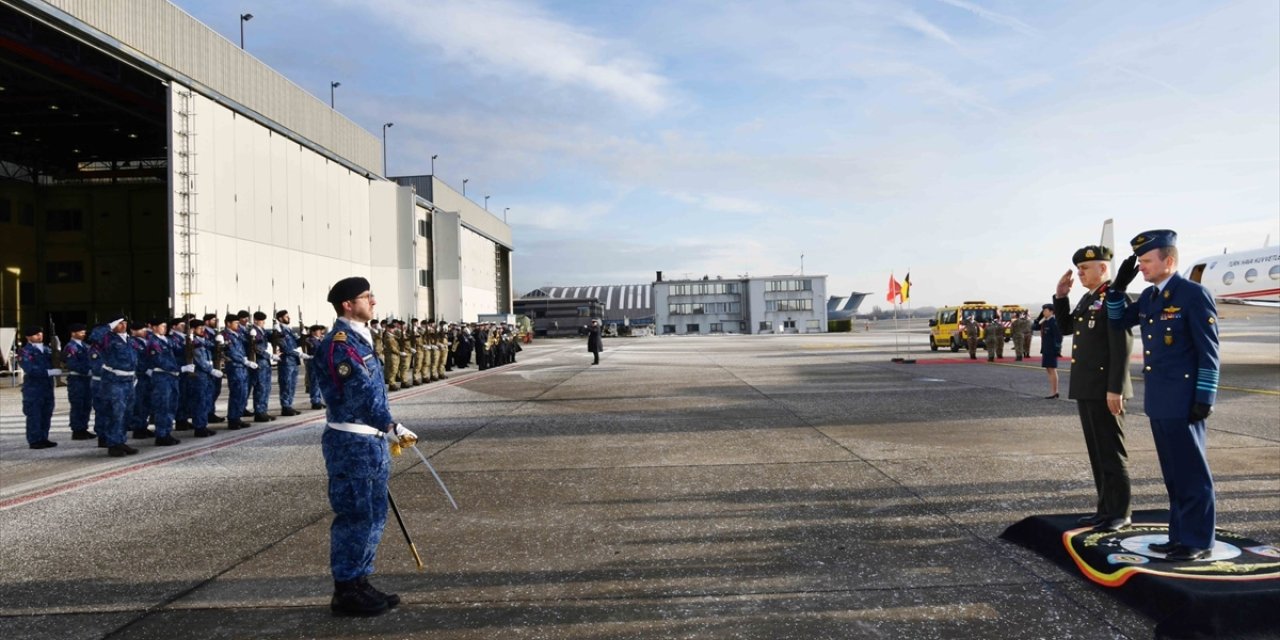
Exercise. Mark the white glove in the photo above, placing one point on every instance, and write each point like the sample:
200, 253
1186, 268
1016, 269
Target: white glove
275, 361
149, 372
215, 373
305, 356
251, 364
187, 368
401, 435
298, 350
53, 373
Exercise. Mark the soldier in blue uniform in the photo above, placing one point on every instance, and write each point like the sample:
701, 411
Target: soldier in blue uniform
77, 365
139, 415
200, 381
119, 364
215, 390
355, 446
261, 376
290, 357
37, 387
310, 344
161, 364
177, 336
238, 367
1178, 320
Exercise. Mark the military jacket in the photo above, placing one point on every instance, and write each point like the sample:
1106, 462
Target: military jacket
288, 343
351, 378
202, 355
139, 345
1179, 331
77, 358
158, 354
119, 358
36, 360
233, 348
1099, 351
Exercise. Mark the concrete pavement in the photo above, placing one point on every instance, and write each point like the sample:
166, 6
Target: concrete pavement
726, 487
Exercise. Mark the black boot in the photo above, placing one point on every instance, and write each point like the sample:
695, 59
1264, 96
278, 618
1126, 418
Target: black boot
289, 411
182, 425
349, 599
317, 405
262, 417
391, 598
83, 435
167, 441
143, 434
204, 433
215, 418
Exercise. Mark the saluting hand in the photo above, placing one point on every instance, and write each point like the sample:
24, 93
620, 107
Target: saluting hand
1064, 285
1125, 274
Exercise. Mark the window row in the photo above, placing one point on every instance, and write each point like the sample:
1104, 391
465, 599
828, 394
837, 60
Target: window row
703, 308
789, 304
705, 288
1250, 275
789, 285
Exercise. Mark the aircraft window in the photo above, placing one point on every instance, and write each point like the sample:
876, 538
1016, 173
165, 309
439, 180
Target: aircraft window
1251, 275
1228, 277
1275, 272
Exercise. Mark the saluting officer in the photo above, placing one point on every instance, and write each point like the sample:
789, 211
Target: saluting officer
1178, 321
355, 447
1099, 384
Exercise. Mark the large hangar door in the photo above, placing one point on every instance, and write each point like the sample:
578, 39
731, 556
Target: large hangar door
83, 178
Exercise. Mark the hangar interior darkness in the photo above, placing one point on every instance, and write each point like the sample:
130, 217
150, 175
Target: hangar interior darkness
84, 180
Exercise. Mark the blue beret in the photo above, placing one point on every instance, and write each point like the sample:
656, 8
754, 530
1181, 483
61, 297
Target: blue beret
75, 326
31, 331
1156, 239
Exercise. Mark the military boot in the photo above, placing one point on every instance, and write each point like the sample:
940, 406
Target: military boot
350, 599
391, 598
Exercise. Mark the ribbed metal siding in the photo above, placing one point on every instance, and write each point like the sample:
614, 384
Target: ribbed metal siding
163, 32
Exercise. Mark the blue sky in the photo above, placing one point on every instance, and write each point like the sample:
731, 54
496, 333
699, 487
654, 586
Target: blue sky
977, 143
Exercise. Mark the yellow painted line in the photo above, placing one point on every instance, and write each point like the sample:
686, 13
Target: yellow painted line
1265, 392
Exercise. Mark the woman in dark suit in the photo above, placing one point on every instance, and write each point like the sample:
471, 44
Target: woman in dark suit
594, 344
1050, 346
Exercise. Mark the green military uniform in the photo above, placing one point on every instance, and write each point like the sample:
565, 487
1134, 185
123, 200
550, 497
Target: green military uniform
995, 340
971, 331
391, 351
1099, 364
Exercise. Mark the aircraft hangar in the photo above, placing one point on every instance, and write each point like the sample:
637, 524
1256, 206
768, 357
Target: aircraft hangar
150, 166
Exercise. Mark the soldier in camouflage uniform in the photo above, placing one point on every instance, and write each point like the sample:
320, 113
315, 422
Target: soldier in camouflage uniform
391, 355
971, 330
1021, 335
995, 340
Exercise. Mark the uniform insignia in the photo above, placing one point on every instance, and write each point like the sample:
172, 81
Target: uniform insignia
1089, 253
344, 369
1172, 309
1166, 295
1211, 320
340, 336
1168, 340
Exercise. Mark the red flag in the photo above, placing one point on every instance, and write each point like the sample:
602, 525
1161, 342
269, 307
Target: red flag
895, 289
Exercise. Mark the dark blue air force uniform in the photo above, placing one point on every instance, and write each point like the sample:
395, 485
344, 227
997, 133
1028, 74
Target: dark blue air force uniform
37, 390
1178, 322
355, 454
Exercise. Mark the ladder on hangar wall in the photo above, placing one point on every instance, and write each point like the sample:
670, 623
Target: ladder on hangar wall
185, 178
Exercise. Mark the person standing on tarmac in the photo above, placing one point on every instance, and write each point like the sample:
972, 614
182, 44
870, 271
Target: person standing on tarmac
355, 446
39, 375
594, 342
1050, 347
1099, 384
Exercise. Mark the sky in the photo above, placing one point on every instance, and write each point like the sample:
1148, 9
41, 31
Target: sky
975, 144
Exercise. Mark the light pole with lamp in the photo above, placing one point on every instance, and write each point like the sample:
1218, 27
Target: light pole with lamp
384, 146
333, 85
504, 213
433, 164
486, 203
464, 186
244, 17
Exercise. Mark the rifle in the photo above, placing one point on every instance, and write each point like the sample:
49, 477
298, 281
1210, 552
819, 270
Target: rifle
55, 344
304, 336
189, 349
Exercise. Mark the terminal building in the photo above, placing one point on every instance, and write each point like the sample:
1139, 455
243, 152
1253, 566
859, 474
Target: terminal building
149, 166
772, 304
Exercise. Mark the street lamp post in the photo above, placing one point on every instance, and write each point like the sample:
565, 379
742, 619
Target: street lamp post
504, 213
433, 164
333, 85
384, 146
486, 203
464, 186
244, 17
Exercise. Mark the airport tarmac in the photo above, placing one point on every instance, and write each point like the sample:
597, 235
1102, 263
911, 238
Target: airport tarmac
797, 486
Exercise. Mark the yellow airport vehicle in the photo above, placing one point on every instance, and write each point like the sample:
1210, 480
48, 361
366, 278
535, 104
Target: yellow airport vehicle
1007, 313
945, 328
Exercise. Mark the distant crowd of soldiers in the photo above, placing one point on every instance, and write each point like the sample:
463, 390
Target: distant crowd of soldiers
1019, 329
170, 373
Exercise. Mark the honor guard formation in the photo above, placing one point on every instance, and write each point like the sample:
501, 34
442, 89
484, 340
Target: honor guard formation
146, 380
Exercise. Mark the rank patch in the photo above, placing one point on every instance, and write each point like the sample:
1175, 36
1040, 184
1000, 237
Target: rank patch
344, 369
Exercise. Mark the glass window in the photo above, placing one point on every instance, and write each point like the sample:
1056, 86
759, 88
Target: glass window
64, 272
693, 328
717, 327
1228, 277
64, 220
1275, 272
1251, 275
766, 326
668, 328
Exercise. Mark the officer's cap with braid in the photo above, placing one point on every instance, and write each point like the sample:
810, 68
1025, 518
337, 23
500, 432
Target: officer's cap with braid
1156, 239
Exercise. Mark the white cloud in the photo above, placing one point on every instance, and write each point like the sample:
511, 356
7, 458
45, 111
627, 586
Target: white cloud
501, 37
992, 16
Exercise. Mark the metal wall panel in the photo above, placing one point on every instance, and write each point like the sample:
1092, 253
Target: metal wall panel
163, 36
